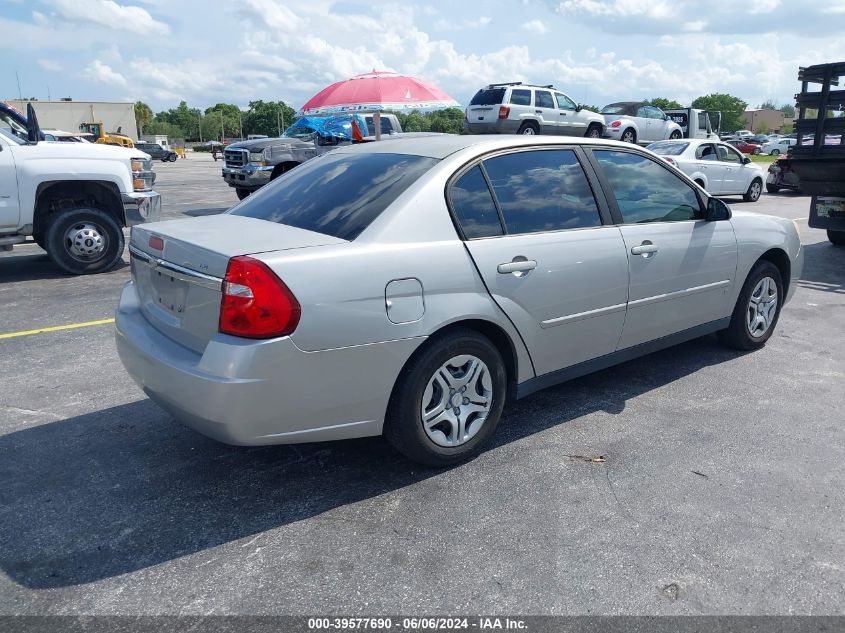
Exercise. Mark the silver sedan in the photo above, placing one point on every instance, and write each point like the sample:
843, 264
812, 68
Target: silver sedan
410, 287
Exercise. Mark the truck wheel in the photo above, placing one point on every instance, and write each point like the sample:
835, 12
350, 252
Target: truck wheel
772, 188
84, 241
757, 309
754, 191
172, 158
446, 404
594, 131
528, 128
242, 193
836, 237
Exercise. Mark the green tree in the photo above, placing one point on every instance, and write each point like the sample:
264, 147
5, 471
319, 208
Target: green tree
663, 103
143, 115
229, 118
732, 109
788, 110
268, 117
768, 104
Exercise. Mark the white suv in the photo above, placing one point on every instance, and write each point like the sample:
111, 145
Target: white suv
517, 108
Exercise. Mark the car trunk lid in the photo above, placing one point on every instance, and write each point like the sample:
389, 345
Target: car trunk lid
178, 267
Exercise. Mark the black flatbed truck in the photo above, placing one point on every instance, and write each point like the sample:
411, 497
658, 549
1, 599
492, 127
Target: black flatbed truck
818, 158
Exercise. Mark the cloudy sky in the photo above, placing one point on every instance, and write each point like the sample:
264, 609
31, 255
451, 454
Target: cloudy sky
207, 51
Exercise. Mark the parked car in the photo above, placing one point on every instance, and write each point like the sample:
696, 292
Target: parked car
777, 147
717, 167
157, 152
782, 177
760, 139
745, 147
411, 288
743, 134
638, 122
517, 108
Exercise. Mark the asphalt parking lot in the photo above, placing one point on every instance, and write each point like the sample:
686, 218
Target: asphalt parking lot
720, 486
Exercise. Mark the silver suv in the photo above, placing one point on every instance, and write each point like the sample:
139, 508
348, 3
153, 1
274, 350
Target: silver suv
517, 108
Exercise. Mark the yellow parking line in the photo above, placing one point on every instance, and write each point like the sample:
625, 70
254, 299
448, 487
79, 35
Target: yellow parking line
56, 328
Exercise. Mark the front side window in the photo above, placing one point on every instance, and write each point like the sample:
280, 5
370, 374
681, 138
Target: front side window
473, 205
337, 194
12, 128
542, 190
729, 154
564, 102
543, 99
521, 97
646, 191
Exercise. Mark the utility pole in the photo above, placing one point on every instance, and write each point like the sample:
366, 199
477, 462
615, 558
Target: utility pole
222, 131
278, 121
241, 122
20, 94
200, 118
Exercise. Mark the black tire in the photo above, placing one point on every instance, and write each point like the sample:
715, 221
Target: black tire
756, 151
403, 426
737, 334
629, 136
172, 158
593, 131
58, 243
528, 128
754, 191
242, 193
775, 152
675, 135
836, 237
772, 188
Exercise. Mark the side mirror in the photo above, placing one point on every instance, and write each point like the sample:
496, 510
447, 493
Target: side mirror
745, 160
33, 131
717, 210
579, 107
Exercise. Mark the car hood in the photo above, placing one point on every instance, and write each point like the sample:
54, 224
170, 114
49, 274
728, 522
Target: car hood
258, 144
58, 149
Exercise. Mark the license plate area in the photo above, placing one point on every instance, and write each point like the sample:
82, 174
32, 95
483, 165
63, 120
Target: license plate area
169, 293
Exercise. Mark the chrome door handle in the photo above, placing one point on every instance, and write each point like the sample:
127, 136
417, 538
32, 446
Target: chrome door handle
517, 266
645, 249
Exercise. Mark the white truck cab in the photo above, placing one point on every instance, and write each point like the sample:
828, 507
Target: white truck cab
697, 123
73, 199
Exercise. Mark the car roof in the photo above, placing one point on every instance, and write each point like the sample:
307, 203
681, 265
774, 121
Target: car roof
627, 103
443, 145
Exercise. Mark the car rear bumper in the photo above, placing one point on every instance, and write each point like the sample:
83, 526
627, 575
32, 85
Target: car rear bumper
253, 392
141, 206
499, 126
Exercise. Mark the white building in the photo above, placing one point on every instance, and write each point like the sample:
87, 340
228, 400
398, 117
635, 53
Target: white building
68, 115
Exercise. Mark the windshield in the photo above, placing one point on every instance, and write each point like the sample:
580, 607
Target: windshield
338, 194
613, 108
300, 132
668, 148
12, 129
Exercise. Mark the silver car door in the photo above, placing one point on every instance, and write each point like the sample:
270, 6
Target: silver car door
708, 163
571, 121
681, 267
558, 274
545, 109
644, 124
731, 161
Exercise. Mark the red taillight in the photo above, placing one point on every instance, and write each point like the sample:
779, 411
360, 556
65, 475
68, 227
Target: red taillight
156, 243
616, 124
256, 303
504, 112
671, 161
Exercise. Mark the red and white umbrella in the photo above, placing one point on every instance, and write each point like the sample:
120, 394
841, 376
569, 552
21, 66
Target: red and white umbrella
377, 91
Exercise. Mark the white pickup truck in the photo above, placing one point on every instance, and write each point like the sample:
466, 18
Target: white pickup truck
73, 199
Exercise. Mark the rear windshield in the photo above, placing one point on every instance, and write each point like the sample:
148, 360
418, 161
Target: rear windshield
668, 148
337, 194
488, 96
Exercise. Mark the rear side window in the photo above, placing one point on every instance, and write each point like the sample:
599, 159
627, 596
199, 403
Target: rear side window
473, 205
543, 99
646, 191
521, 97
488, 96
338, 194
542, 191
